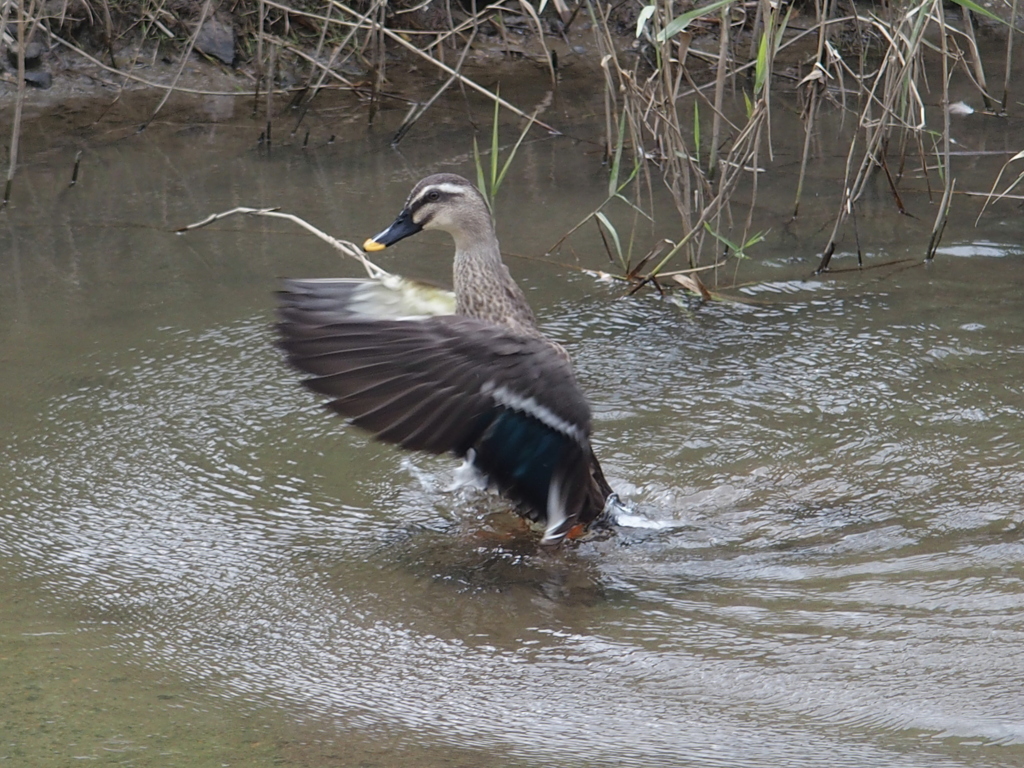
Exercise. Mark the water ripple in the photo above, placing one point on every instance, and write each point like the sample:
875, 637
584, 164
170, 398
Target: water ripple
825, 559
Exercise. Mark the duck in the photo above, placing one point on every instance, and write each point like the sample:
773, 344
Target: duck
479, 380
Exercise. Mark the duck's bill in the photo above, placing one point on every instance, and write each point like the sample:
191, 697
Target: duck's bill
401, 228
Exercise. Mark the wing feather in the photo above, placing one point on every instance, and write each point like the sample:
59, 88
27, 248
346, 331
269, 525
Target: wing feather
451, 383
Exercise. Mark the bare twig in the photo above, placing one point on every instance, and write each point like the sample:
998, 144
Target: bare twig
343, 246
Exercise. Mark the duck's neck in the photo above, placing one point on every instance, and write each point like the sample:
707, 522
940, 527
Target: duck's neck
483, 286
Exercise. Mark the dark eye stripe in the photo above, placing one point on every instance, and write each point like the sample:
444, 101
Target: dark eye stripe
443, 195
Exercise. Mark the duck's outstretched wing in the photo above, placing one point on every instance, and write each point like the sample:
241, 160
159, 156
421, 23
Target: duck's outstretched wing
508, 403
392, 296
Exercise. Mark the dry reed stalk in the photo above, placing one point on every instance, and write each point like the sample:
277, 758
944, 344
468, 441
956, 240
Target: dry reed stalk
976, 63
376, 39
606, 54
942, 214
328, 69
260, 31
816, 83
20, 101
108, 33
893, 91
269, 109
181, 66
4, 9
320, 41
418, 110
397, 38
1009, 59
540, 33
716, 120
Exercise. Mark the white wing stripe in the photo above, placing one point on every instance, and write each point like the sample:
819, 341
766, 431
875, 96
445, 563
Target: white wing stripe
504, 396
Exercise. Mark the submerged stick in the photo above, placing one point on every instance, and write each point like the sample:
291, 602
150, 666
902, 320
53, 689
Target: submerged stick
74, 173
343, 246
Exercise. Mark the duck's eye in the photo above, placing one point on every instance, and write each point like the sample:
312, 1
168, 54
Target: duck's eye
433, 195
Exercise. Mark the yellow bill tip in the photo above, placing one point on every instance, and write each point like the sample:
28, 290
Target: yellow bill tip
372, 245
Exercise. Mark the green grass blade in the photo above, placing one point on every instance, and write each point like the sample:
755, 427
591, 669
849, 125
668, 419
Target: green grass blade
613, 176
641, 20
679, 23
696, 130
611, 231
721, 238
970, 5
512, 154
481, 182
761, 68
494, 151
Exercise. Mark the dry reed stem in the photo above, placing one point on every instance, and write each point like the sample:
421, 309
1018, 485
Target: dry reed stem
280, 43
108, 32
260, 32
816, 81
181, 67
19, 103
720, 75
976, 63
942, 214
320, 41
378, 29
269, 108
540, 37
1009, 58
327, 70
418, 110
894, 92
462, 78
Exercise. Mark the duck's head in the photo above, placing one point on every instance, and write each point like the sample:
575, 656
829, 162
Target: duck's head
444, 201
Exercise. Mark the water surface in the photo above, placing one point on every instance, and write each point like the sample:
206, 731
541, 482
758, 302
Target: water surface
202, 568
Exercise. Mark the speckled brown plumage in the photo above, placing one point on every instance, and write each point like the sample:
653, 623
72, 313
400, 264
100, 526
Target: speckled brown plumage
484, 384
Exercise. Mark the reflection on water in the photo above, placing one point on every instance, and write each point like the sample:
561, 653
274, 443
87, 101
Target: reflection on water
826, 478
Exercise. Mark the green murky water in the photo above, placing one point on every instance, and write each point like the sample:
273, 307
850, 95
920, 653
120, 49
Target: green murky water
199, 568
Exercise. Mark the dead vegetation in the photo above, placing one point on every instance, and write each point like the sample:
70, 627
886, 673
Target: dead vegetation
670, 112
